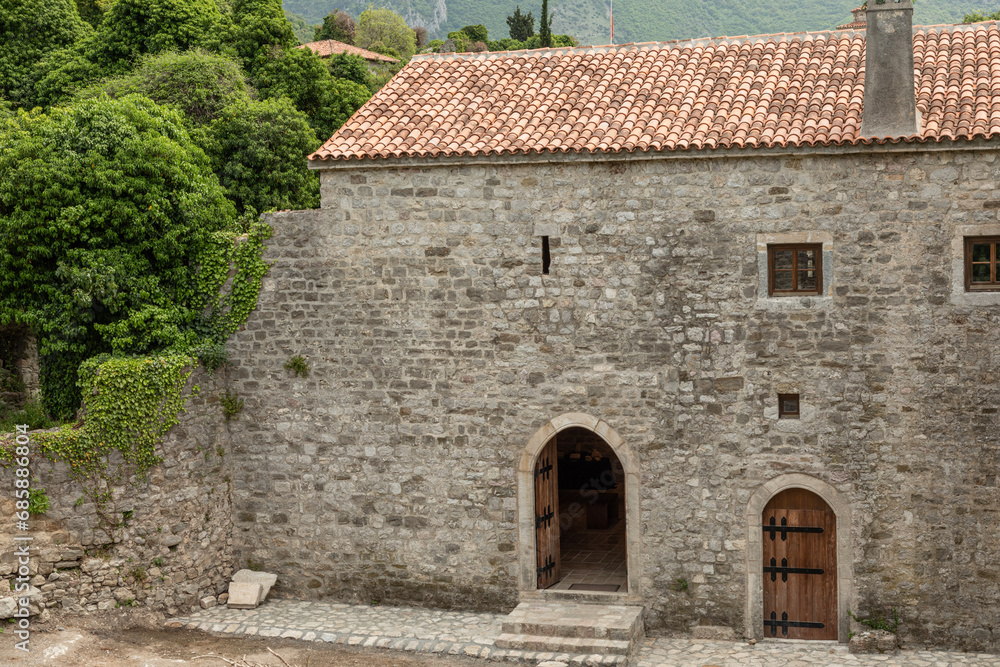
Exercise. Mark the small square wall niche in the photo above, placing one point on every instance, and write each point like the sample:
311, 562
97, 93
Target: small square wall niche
788, 406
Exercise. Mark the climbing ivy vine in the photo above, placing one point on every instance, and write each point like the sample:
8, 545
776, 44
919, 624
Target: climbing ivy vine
130, 402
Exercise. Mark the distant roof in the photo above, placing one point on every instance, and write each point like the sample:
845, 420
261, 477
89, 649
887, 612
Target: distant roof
860, 19
785, 90
328, 47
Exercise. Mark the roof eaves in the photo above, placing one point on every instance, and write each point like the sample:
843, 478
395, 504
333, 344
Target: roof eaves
869, 145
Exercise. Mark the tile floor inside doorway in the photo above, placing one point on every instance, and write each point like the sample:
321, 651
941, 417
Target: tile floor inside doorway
592, 556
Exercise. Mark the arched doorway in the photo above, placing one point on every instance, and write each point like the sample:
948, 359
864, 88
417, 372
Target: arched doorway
799, 566
580, 514
799, 504
578, 509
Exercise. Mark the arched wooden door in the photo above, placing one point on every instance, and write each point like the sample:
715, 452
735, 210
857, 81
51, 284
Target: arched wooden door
800, 567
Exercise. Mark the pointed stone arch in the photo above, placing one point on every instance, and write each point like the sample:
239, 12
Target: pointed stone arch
527, 579
754, 618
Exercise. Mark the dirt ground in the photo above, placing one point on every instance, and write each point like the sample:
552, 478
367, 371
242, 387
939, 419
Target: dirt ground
134, 638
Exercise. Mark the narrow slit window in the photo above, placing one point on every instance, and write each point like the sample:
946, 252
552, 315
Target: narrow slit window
788, 406
546, 257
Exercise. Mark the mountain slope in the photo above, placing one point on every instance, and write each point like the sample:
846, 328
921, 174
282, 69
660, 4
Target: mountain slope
639, 20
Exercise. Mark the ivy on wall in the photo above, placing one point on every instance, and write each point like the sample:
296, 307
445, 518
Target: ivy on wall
130, 405
131, 402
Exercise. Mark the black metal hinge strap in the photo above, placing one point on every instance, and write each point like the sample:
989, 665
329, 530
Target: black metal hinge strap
785, 529
784, 570
544, 471
544, 519
785, 624
550, 565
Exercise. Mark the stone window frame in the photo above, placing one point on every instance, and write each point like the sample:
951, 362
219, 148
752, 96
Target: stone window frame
794, 301
959, 295
994, 243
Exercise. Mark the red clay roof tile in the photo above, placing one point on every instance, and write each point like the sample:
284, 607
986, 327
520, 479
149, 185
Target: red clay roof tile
329, 47
802, 89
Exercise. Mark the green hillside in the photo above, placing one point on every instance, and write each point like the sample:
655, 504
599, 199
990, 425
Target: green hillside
639, 20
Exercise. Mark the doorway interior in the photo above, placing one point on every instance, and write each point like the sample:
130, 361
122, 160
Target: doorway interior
580, 515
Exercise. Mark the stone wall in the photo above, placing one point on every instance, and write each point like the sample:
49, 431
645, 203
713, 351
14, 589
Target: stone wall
437, 348
177, 546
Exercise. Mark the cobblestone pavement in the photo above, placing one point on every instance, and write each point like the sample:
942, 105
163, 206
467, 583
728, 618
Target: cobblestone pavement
474, 634
692, 653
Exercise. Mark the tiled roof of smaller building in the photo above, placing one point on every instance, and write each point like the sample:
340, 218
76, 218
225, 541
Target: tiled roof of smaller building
330, 47
787, 90
860, 19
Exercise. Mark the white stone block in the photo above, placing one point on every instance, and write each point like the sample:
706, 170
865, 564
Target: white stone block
244, 595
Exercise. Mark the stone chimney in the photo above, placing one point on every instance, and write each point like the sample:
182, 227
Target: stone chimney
890, 102
858, 21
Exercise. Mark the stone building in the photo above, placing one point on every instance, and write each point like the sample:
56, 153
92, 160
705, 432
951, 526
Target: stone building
626, 323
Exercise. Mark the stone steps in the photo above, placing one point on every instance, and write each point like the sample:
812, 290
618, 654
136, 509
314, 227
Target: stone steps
573, 627
564, 644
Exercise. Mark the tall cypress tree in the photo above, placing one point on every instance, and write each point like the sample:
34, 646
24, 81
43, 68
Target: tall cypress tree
545, 27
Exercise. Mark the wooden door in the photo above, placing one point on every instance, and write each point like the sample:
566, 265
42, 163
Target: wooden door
800, 567
547, 516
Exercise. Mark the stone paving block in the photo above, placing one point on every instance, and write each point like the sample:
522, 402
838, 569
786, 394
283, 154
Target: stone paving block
717, 632
244, 595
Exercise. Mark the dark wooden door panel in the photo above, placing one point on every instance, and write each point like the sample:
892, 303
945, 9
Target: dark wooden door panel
800, 570
547, 516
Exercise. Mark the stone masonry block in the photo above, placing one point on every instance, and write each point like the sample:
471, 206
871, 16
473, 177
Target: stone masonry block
244, 595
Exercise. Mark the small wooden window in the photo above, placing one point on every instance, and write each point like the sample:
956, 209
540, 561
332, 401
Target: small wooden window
546, 255
788, 406
982, 264
795, 269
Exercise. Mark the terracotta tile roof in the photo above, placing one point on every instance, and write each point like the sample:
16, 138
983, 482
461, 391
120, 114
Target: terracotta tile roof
328, 47
803, 89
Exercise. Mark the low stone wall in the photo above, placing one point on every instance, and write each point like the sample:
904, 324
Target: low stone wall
177, 545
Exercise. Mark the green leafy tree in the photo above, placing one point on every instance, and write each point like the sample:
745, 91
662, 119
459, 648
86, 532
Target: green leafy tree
303, 77
106, 208
522, 26
29, 30
133, 28
259, 29
476, 33
93, 11
351, 67
977, 16
337, 25
545, 26
59, 76
385, 31
459, 42
130, 30
198, 83
259, 150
